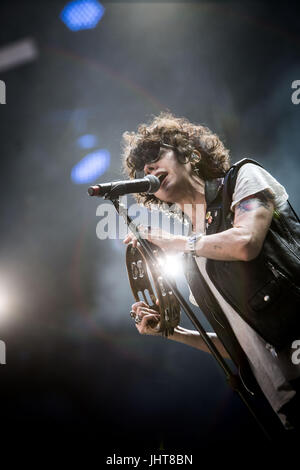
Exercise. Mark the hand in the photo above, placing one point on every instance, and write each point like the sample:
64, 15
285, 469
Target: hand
159, 237
148, 319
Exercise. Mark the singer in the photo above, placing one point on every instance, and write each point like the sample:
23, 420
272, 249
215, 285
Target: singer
243, 247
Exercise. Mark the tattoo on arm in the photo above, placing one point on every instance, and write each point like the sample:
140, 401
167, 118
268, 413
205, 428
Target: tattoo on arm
262, 199
217, 247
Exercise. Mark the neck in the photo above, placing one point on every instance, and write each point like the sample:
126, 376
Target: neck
192, 202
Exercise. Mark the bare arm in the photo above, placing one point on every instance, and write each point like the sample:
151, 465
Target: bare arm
149, 320
194, 339
252, 218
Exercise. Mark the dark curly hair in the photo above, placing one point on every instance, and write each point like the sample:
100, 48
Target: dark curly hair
183, 137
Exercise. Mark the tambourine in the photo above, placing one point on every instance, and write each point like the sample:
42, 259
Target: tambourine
147, 283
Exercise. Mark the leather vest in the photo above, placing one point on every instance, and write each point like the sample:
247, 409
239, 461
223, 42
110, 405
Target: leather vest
265, 291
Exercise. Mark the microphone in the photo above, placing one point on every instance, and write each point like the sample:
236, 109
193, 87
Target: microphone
150, 184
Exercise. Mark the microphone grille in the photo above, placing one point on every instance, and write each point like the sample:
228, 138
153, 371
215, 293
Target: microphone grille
154, 184
91, 191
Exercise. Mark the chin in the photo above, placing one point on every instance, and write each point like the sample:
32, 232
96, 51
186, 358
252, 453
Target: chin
166, 197
168, 193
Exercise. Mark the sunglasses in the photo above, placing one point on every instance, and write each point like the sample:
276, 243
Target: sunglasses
149, 155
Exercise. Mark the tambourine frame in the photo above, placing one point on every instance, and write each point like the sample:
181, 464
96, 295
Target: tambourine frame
146, 281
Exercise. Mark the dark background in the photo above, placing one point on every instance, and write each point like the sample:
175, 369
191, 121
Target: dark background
77, 370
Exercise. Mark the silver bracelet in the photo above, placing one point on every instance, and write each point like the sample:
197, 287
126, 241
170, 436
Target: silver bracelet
192, 243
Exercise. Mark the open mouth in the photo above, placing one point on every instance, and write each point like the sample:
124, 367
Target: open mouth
162, 178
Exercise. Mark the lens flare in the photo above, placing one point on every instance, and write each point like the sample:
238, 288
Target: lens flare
171, 265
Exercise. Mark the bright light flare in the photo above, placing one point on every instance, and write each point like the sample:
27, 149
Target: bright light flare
6, 303
11, 300
171, 265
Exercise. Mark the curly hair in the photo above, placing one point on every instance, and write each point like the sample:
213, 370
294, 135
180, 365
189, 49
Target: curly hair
166, 130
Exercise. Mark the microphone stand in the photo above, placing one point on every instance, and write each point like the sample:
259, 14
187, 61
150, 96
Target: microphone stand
234, 380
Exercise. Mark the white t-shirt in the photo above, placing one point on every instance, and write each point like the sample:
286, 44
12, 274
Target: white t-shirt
272, 370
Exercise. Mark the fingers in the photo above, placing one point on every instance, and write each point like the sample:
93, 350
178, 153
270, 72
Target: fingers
149, 324
143, 231
135, 306
130, 238
146, 319
141, 308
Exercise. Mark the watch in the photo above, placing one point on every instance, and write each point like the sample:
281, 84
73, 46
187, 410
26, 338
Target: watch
192, 243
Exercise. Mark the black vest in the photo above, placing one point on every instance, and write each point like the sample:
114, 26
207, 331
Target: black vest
264, 291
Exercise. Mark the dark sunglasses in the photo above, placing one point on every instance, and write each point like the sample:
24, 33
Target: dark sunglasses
149, 156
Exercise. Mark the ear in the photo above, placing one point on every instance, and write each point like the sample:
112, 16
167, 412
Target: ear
196, 155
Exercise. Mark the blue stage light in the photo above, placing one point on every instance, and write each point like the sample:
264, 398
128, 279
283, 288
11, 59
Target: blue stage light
87, 141
82, 14
91, 167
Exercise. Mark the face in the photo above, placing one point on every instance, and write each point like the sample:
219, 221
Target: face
176, 176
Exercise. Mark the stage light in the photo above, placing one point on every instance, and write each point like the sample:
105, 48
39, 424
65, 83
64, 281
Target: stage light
91, 167
4, 303
18, 53
9, 300
171, 265
82, 14
87, 141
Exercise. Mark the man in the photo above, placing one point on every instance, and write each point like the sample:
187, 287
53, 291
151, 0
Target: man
245, 241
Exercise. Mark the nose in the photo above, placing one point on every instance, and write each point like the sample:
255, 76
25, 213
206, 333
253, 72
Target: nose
149, 167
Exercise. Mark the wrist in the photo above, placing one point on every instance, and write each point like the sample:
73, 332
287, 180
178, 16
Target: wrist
180, 243
193, 244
